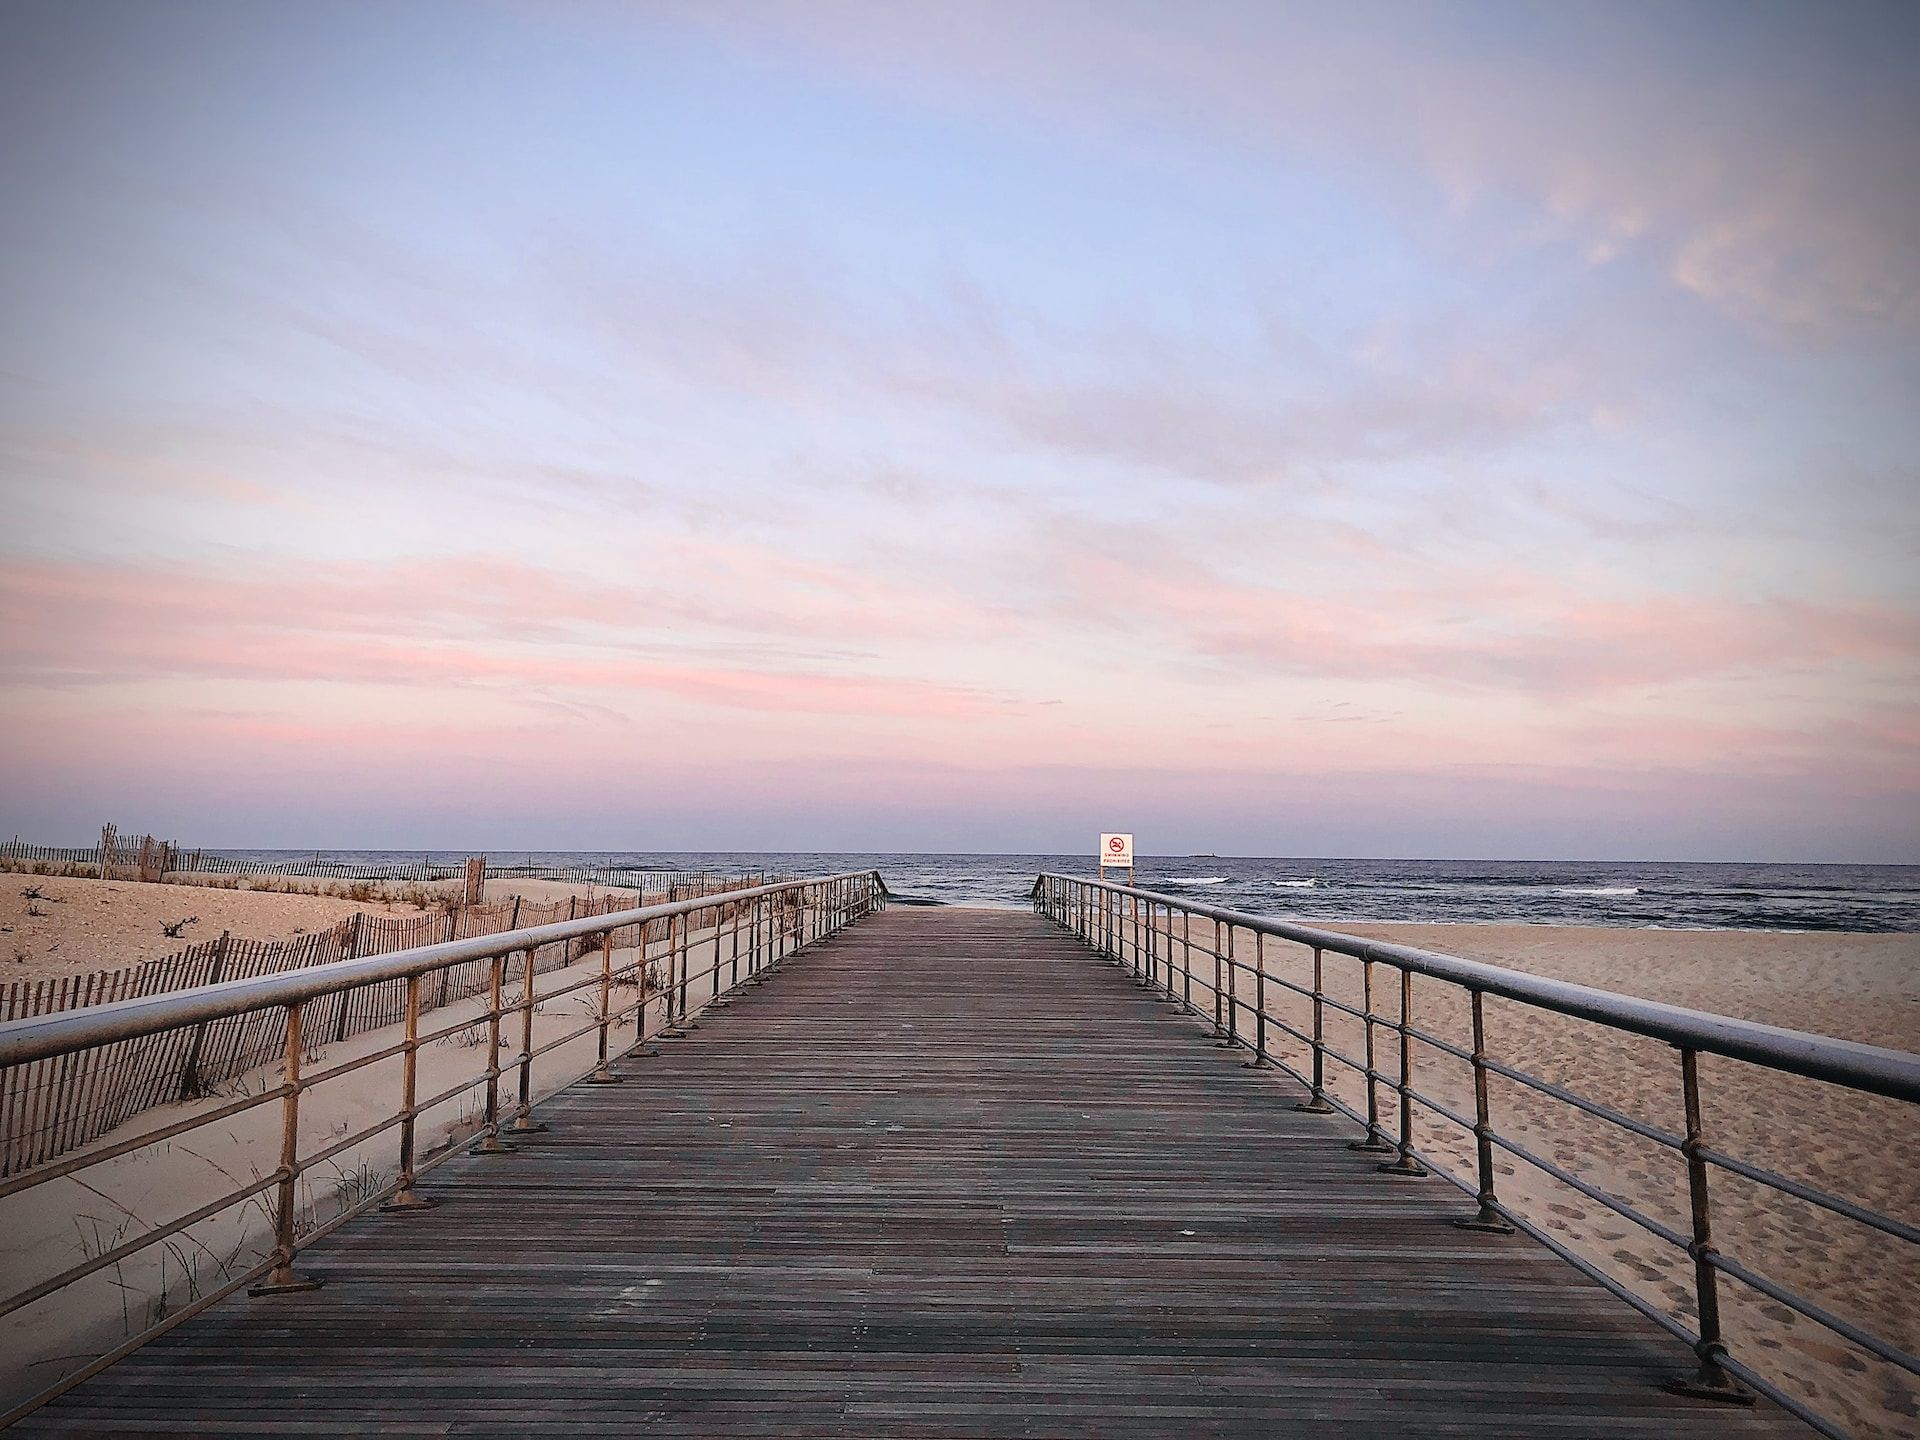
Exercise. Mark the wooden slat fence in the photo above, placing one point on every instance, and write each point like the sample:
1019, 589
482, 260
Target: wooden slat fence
145, 857
49, 1107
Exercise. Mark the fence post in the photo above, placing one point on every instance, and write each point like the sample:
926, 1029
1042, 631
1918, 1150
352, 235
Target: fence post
1710, 1380
283, 1279
190, 1072
349, 946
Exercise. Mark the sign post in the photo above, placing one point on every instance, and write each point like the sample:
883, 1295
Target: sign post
1116, 852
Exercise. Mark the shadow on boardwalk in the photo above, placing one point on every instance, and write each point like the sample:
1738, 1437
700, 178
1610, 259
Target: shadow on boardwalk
942, 1175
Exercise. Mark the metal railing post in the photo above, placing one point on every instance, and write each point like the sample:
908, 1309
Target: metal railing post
1403, 1164
283, 1279
1259, 1060
523, 1121
1145, 977
406, 1198
1375, 1142
602, 1074
1316, 1101
1710, 1380
1223, 1034
676, 1009
1219, 986
1487, 1218
490, 1141
1186, 961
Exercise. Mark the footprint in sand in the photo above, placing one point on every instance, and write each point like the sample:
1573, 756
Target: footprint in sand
1572, 1212
1836, 1355
1638, 1266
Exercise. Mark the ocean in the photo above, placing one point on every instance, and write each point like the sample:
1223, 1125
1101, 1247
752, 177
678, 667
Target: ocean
1670, 895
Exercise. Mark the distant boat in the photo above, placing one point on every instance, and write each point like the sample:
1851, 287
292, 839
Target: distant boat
1204, 855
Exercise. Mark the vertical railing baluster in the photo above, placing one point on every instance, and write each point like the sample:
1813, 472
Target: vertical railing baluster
1219, 989
1223, 1033
523, 1121
283, 1279
1259, 1060
681, 938
1710, 1380
1316, 1101
602, 1072
1376, 1142
643, 989
405, 1197
490, 1141
1186, 960
1403, 1164
1488, 1217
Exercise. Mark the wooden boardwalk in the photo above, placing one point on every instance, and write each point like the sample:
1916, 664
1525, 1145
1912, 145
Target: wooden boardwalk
944, 1174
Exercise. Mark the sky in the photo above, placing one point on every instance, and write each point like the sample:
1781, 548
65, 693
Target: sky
1371, 430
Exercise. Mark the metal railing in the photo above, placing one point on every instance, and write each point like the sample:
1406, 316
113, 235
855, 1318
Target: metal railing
736, 935
1137, 928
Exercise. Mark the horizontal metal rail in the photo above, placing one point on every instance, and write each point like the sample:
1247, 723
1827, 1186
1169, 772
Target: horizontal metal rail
728, 938
1156, 934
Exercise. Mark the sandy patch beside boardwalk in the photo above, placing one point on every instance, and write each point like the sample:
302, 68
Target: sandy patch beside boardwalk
101, 925
83, 925
1856, 987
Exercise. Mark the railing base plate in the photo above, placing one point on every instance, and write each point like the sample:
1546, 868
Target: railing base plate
1483, 1227
1723, 1392
405, 1201
291, 1283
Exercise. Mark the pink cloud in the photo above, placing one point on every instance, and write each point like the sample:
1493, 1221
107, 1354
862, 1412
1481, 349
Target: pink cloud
466, 623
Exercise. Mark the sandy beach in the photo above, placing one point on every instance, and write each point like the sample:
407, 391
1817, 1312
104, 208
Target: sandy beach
59, 926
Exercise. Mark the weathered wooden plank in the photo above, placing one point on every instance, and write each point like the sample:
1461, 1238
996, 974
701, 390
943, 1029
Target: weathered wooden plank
942, 1175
